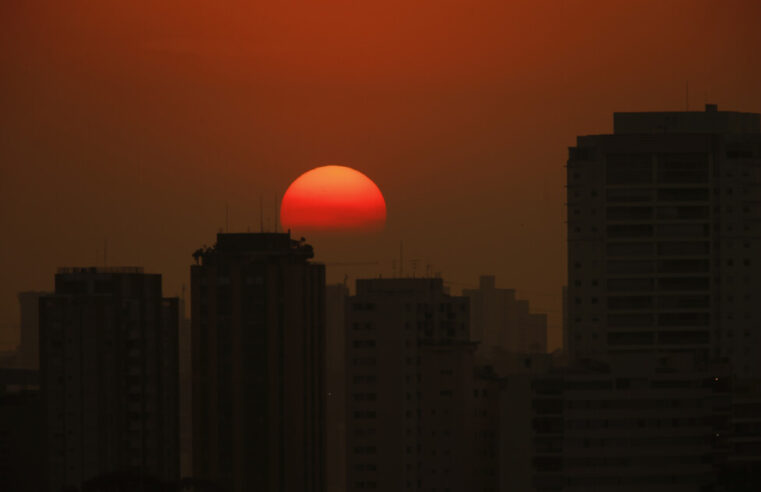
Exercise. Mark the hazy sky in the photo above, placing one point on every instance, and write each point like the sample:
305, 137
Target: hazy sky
139, 123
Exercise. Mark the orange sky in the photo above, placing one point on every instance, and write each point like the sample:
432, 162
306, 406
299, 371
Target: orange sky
139, 123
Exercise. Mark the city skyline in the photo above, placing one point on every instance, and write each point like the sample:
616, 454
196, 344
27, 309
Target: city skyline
380, 246
462, 115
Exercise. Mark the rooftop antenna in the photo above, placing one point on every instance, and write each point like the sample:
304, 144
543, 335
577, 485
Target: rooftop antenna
687, 95
261, 214
275, 201
401, 259
182, 301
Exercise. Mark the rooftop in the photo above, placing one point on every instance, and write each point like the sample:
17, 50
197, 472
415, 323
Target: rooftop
403, 285
711, 120
256, 244
97, 270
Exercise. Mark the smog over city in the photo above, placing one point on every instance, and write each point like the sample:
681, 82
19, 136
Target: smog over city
351, 246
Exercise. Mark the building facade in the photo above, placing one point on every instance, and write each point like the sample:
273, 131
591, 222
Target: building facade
644, 423
414, 419
664, 238
109, 377
258, 339
336, 297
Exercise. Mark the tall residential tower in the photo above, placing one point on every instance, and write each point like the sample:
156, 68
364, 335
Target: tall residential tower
664, 237
109, 377
258, 338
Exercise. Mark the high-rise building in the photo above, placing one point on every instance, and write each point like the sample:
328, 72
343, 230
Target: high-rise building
28, 349
336, 297
664, 237
413, 416
108, 376
185, 391
499, 320
258, 338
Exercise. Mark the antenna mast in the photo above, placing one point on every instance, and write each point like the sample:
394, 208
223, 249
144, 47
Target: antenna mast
261, 213
275, 202
401, 259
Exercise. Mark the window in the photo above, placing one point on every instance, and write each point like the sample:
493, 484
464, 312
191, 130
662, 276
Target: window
629, 169
683, 266
630, 249
629, 213
625, 320
684, 319
630, 284
683, 168
684, 283
683, 248
631, 338
629, 195
682, 213
683, 194
630, 266
633, 231
683, 230
630, 302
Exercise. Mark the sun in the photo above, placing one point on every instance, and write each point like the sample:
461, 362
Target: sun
333, 198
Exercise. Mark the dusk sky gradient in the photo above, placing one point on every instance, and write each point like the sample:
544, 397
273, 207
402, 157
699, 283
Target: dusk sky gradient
139, 123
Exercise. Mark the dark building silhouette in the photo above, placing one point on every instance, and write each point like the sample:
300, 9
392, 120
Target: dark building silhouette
28, 356
258, 337
108, 376
414, 419
336, 297
664, 243
664, 237
21, 454
185, 391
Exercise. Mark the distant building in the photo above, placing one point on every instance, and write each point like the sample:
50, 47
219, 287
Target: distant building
28, 350
415, 419
21, 456
664, 237
336, 297
108, 376
500, 321
258, 337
